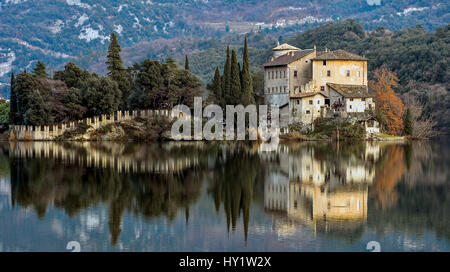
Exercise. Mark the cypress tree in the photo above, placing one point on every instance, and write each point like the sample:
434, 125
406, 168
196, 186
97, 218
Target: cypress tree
39, 70
217, 87
186, 63
116, 70
408, 123
227, 78
247, 84
13, 102
235, 80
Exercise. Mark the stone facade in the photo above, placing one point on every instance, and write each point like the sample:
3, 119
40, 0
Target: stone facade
306, 108
329, 79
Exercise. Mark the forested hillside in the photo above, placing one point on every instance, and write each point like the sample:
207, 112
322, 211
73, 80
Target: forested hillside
58, 31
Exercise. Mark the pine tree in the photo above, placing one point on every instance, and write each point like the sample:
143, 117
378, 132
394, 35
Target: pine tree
408, 123
186, 63
39, 70
114, 60
13, 102
116, 70
235, 80
227, 78
247, 84
217, 87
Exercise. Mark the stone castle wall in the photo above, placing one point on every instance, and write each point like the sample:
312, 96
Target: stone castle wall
50, 132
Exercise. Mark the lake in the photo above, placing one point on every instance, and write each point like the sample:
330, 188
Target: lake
225, 196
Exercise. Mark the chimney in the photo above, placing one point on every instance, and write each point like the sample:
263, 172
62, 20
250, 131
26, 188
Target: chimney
315, 48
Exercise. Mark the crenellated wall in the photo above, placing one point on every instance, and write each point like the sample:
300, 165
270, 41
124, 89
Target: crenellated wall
50, 132
93, 157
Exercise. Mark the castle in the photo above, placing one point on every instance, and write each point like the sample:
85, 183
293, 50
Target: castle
307, 84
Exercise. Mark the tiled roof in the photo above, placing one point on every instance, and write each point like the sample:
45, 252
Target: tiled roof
337, 55
285, 46
301, 95
350, 91
288, 58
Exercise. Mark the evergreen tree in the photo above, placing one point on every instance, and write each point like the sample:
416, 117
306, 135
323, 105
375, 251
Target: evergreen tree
35, 114
24, 84
186, 63
116, 70
408, 123
114, 60
72, 75
235, 80
227, 78
101, 96
13, 102
39, 70
217, 87
247, 84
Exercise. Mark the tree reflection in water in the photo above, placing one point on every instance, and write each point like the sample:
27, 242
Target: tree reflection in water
336, 190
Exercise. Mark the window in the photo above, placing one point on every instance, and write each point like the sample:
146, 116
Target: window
350, 106
276, 74
351, 99
318, 102
272, 74
324, 63
322, 88
310, 102
285, 89
306, 61
348, 73
268, 90
295, 73
308, 112
328, 73
284, 74
363, 99
298, 102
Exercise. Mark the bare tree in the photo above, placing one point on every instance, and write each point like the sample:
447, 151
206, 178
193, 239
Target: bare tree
422, 127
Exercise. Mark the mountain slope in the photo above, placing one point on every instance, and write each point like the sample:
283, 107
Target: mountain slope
56, 31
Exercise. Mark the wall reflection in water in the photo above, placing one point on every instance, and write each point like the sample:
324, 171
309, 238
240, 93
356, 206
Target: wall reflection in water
335, 190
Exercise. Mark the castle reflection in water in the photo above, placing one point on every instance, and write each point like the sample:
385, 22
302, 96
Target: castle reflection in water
307, 186
326, 188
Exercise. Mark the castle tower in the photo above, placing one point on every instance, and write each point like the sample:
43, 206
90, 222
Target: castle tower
283, 49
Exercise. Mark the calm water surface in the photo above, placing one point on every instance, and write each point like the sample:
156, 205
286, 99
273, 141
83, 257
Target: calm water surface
225, 196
